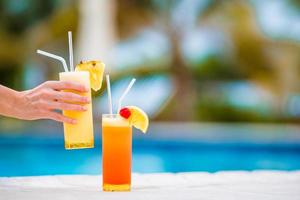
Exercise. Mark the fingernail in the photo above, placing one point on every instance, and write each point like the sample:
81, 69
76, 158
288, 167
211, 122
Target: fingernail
86, 99
84, 108
73, 121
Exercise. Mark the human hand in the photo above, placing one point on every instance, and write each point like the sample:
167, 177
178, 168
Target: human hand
42, 101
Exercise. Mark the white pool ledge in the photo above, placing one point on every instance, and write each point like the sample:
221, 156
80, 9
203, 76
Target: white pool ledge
243, 185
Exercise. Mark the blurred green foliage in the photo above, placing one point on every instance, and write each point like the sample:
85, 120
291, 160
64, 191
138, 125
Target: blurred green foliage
247, 54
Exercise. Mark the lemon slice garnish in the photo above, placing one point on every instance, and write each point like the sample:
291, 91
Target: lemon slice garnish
136, 116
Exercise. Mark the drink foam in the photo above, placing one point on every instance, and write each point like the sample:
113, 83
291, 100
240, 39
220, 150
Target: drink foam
114, 121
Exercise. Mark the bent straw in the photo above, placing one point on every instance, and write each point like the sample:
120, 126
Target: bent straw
70, 51
125, 93
61, 59
109, 94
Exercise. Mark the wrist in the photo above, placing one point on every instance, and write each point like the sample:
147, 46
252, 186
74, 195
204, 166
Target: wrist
10, 102
17, 104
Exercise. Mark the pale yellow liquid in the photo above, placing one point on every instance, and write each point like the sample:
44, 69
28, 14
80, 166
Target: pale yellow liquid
80, 135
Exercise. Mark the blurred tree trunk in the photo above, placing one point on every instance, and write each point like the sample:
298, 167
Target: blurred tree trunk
285, 59
183, 102
96, 31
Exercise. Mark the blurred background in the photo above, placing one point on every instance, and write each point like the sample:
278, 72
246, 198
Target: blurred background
219, 80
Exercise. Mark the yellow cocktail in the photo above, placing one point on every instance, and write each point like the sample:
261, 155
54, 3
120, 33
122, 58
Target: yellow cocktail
89, 74
80, 135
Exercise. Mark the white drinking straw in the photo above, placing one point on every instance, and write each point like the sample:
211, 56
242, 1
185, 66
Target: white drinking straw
70, 51
125, 93
61, 59
109, 94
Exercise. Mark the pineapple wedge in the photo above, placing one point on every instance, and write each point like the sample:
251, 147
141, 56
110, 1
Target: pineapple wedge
96, 70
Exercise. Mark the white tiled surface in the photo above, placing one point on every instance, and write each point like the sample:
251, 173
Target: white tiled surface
232, 185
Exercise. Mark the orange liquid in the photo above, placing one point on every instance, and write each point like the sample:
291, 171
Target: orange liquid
116, 152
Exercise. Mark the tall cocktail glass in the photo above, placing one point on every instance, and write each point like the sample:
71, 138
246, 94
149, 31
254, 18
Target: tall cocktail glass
80, 135
116, 153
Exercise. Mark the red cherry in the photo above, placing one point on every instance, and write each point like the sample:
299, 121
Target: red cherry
125, 112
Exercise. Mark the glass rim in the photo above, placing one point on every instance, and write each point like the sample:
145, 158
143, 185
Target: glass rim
110, 115
73, 72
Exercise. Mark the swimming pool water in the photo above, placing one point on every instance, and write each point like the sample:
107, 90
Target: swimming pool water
28, 156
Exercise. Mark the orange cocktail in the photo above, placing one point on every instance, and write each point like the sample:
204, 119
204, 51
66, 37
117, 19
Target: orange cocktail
116, 153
